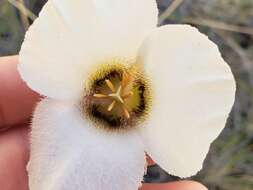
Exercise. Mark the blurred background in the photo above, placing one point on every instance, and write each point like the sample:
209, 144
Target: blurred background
229, 23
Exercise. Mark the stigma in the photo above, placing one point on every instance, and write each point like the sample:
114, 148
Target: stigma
118, 96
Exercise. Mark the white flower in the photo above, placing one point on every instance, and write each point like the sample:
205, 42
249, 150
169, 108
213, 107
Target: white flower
118, 86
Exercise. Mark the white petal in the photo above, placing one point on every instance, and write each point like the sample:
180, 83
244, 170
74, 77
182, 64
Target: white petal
125, 24
69, 154
194, 91
51, 57
70, 36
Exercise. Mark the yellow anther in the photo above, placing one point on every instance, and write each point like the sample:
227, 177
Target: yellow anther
110, 85
127, 95
126, 78
100, 96
111, 106
126, 113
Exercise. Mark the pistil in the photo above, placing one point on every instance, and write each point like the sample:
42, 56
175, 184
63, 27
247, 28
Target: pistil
117, 95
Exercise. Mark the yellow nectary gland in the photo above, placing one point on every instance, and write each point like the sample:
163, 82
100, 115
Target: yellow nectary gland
118, 97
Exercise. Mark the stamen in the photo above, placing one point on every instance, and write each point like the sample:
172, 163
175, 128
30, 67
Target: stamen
111, 106
125, 79
100, 96
110, 85
126, 113
127, 95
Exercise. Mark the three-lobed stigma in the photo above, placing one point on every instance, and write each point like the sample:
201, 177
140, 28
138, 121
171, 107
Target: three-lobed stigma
118, 96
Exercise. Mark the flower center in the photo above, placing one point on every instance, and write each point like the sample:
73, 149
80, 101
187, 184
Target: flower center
118, 97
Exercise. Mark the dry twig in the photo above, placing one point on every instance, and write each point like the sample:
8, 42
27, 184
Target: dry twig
19, 4
220, 25
174, 5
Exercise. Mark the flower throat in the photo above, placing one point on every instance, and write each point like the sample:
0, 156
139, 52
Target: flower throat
118, 96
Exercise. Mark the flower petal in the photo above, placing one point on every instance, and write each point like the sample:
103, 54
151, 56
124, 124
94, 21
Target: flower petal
125, 24
69, 154
52, 58
70, 36
194, 91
